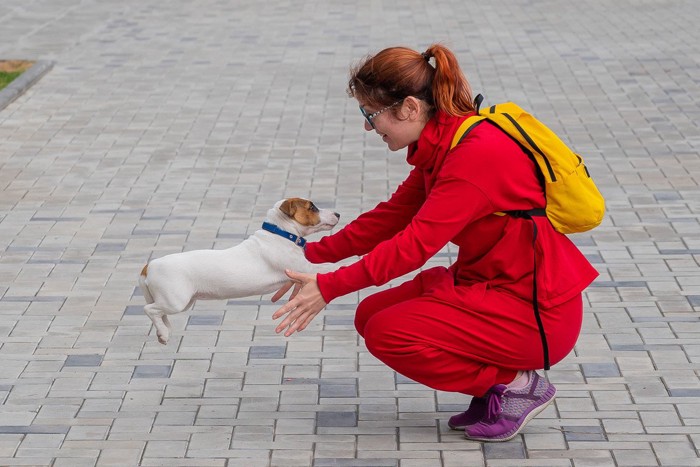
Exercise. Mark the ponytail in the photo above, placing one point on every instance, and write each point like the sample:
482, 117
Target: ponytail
450, 88
398, 72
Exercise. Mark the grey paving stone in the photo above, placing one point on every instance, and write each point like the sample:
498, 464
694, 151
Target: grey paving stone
511, 450
37, 429
83, 360
681, 392
401, 379
100, 247
600, 370
340, 462
336, 419
619, 284
583, 433
338, 390
152, 371
267, 352
204, 320
339, 320
134, 310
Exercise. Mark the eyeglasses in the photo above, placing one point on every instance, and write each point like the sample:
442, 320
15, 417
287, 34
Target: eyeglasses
372, 116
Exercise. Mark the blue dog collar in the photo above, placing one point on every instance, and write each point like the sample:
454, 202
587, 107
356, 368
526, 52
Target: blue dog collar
296, 239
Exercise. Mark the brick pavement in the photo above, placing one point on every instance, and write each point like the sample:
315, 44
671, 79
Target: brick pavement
169, 126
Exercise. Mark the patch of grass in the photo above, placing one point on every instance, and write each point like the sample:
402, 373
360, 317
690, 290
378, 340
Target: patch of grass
7, 77
11, 69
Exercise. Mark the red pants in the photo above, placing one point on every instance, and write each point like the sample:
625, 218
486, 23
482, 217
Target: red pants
462, 338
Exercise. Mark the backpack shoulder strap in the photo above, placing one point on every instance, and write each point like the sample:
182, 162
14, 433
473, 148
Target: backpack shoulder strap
464, 129
468, 124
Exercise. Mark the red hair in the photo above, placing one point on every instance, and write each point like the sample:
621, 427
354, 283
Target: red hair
398, 72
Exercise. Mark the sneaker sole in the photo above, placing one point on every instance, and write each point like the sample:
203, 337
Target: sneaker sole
533, 413
457, 427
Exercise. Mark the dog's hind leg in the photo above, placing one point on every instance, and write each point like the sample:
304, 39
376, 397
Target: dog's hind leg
144, 287
160, 321
159, 317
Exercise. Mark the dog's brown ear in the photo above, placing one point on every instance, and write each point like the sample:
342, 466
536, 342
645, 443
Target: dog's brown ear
289, 206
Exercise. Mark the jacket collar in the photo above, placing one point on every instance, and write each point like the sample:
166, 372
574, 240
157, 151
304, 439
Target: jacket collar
429, 152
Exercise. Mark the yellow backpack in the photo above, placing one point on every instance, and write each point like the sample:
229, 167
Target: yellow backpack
574, 204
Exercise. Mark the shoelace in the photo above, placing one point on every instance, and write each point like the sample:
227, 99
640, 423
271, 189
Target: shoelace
494, 407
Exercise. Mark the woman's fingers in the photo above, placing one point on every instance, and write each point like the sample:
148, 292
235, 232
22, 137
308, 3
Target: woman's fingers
306, 321
289, 306
289, 322
297, 288
297, 280
283, 290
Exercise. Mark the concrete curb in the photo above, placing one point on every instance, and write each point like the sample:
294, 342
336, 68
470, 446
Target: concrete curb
24, 81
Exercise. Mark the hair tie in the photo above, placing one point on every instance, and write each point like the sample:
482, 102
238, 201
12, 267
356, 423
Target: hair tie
426, 56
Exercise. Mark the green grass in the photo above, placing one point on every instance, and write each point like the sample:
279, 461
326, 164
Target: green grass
7, 77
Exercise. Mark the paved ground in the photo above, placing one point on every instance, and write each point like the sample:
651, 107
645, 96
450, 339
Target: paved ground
169, 126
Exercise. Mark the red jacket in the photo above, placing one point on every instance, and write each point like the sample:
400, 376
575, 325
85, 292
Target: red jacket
450, 196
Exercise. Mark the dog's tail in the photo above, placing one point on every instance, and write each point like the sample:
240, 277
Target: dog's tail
144, 287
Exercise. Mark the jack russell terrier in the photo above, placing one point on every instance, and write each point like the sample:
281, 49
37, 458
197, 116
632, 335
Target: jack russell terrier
173, 283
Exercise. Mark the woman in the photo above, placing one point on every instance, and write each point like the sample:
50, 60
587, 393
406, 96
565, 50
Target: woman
469, 328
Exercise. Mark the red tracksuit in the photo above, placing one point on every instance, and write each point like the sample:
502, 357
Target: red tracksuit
472, 325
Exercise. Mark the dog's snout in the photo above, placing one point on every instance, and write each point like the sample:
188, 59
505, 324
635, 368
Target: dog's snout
337, 215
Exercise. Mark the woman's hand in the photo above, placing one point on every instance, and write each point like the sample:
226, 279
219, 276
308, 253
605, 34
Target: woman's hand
303, 306
285, 288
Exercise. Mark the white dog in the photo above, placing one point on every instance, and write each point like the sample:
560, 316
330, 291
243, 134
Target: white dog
171, 284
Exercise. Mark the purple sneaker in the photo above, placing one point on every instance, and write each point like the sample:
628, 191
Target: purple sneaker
509, 410
475, 412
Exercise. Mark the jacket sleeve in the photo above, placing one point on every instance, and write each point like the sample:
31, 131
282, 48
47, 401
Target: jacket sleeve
453, 203
371, 228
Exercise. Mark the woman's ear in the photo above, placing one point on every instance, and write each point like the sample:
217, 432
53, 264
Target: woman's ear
412, 108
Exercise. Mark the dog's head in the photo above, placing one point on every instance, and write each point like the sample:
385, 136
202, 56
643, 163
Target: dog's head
301, 216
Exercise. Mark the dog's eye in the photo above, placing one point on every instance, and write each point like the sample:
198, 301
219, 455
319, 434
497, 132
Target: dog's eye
313, 208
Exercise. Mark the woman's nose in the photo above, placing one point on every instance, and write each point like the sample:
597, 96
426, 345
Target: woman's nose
368, 127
